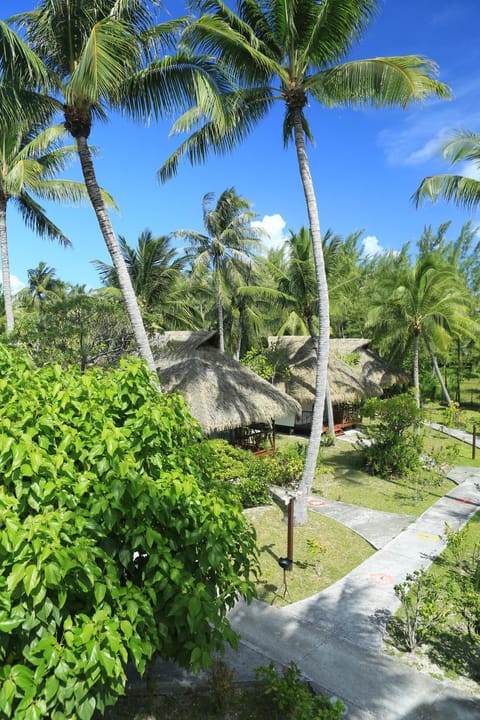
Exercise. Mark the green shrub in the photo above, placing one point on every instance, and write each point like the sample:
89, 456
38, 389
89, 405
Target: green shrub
425, 602
246, 474
293, 697
115, 542
250, 476
394, 447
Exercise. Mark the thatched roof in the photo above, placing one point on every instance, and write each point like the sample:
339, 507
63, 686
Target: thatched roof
370, 364
221, 393
182, 343
347, 384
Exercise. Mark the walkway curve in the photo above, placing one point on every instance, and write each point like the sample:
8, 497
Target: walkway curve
335, 636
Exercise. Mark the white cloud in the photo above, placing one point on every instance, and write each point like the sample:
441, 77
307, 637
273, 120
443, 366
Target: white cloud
16, 284
272, 227
420, 133
371, 246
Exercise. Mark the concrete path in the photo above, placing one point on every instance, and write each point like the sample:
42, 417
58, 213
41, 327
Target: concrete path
335, 636
375, 526
462, 435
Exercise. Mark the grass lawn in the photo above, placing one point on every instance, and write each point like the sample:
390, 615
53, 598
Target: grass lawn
312, 572
341, 476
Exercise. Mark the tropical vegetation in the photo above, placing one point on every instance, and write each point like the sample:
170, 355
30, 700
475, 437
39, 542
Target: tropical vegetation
117, 542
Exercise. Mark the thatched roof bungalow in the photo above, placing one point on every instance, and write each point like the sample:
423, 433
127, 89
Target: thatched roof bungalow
349, 383
222, 394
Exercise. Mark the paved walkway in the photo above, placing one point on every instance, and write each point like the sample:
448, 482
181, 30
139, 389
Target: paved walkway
335, 636
375, 526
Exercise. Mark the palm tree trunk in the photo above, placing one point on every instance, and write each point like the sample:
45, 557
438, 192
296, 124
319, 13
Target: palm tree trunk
221, 337
107, 231
328, 397
7, 290
459, 371
329, 406
238, 347
416, 379
439, 375
313, 448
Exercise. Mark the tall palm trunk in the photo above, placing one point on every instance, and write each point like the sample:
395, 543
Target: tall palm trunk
221, 333
107, 231
436, 369
329, 406
416, 380
7, 291
459, 370
323, 325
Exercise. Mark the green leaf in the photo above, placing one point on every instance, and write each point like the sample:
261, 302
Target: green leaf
86, 708
31, 578
17, 574
51, 687
99, 590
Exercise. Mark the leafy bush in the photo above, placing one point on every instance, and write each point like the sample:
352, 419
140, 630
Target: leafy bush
115, 542
250, 476
247, 474
424, 600
394, 447
293, 697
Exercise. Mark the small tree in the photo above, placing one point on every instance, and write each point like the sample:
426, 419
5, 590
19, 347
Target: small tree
393, 447
424, 601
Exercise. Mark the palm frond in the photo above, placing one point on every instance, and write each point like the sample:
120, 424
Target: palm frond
462, 190
110, 55
378, 82
34, 217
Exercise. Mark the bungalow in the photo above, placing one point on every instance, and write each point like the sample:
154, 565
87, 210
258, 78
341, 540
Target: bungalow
355, 373
228, 399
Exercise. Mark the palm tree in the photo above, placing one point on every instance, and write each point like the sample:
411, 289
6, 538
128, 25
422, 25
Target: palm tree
228, 244
43, 285
426, 301
30, 158
463, 190
293, 52
100, 54
154, 268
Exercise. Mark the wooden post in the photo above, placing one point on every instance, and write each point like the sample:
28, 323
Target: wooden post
474, 441
290, 532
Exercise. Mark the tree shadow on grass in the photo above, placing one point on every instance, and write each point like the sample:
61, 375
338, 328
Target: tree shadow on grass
456, 652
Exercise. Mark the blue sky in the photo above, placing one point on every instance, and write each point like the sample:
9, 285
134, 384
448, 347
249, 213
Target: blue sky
365, 163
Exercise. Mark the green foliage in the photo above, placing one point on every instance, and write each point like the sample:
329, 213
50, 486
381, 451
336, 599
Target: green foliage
352, 359
465, 594
424, 601
328, 440
115, 542
270, 363
452, 415
393, 448
293, 697
246, 473
80, 329
316, 550
250, 476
